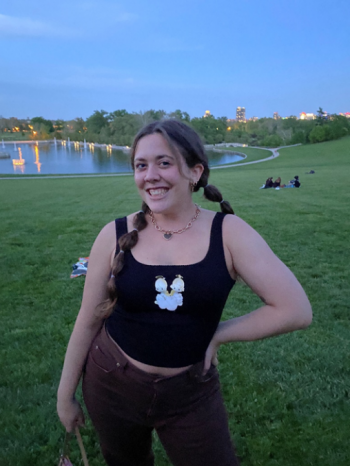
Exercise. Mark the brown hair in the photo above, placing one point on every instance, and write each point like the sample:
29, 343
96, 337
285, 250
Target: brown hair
181, 139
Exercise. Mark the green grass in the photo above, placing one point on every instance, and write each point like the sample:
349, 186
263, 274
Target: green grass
287, 397
14, 136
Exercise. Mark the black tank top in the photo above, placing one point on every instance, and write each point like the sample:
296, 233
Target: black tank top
166, 315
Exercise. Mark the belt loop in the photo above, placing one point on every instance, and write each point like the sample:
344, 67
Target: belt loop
122, 364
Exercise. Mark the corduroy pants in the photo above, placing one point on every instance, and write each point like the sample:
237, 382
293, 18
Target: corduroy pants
125, 405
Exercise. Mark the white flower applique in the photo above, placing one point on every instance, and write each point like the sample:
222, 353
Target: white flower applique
172, 300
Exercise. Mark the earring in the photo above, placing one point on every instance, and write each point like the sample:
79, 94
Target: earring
193, 184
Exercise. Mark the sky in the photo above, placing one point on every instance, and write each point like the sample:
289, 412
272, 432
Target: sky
68, 59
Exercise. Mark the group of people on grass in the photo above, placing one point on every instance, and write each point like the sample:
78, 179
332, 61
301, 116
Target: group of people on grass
269, 183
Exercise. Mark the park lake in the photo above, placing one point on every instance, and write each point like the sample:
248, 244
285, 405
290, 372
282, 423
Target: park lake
50, 159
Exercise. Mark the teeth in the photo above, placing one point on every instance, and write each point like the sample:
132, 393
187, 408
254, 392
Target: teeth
156, 192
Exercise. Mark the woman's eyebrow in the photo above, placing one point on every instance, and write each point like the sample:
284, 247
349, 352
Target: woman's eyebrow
169, 156
158, 157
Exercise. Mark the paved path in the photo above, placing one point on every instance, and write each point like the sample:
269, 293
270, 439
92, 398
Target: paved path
274, 155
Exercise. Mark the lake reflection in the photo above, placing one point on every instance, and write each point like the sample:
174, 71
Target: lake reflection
46, 158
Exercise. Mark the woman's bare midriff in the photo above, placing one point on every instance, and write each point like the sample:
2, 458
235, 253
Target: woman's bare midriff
162, 371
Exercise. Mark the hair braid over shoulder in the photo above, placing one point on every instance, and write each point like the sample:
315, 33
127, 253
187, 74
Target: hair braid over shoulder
126, 242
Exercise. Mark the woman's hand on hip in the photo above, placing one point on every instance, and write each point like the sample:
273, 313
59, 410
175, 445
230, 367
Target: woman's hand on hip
211, 355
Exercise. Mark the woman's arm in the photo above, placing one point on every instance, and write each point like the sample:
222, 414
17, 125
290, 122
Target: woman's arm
86, 326
286, 306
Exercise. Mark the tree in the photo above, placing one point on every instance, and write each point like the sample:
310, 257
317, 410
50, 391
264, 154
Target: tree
320, 134
123, 128
321, 117
36, 122
272, 140
3, 123
179, 115
339, 126
41, 131
97, 121
59, 125
79, 125
117, 113
298, 137
213, 130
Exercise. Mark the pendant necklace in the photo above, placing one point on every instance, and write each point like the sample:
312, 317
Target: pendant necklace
168, 234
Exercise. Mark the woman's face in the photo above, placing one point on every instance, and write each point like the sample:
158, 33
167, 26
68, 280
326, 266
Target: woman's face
162, 184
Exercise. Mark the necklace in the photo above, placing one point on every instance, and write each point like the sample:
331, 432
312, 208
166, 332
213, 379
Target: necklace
168, 234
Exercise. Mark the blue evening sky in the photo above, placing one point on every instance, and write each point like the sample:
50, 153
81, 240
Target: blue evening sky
67, 59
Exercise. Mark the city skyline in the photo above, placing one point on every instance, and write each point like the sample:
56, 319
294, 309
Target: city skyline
240, 117
94, 55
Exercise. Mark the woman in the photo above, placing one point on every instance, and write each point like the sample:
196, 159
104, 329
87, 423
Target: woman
149, 352
293, 183
268, 183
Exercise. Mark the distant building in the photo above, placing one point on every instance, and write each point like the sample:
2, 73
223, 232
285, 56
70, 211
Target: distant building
253, 119
307, 116
207, 113
276, 116
240, 114
346, 114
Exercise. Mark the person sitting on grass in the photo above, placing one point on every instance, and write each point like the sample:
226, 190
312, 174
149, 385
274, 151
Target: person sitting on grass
268, 183
277, 183
296, 182
293, 183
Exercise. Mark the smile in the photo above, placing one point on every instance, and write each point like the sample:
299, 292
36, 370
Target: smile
157, 191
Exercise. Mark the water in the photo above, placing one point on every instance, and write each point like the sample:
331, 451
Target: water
48, 159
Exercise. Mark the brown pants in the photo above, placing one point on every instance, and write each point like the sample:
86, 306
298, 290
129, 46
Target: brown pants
126, 404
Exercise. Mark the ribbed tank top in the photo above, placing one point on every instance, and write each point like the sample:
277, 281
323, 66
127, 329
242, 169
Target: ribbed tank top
166, 315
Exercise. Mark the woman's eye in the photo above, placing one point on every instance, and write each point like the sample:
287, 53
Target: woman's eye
164, 163
140, 166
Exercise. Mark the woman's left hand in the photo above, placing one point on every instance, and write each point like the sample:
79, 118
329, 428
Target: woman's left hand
211, 355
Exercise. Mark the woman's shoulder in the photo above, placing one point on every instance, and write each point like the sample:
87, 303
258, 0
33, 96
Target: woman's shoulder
108, 229
237, 232
106, 237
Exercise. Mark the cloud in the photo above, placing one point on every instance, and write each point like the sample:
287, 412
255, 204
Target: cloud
20, 27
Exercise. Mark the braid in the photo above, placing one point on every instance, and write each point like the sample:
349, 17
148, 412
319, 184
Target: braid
212, 193
126, 243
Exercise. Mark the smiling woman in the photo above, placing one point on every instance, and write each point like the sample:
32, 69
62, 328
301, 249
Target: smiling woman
163, 178
148, 331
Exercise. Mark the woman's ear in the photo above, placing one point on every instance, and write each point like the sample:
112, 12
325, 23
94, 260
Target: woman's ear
197, 171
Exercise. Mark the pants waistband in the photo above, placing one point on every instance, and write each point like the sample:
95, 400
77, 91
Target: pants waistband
122, 362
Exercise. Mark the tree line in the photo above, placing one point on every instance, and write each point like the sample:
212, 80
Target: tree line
119, 127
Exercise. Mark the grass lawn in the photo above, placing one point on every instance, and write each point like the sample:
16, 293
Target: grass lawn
14, 136
287, 397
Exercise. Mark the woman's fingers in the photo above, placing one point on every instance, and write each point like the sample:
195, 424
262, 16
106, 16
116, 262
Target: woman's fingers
210, 358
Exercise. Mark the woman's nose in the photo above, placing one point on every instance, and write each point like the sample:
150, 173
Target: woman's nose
152, 174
